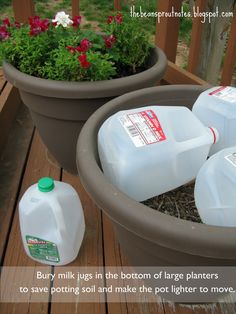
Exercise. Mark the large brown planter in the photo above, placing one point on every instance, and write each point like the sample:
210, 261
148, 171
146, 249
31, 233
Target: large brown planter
59, 109
148, 237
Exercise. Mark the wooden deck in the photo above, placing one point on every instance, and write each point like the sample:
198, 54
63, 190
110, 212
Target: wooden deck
24, 160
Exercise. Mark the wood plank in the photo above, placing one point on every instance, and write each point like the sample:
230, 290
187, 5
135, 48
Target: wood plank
91, 251
23, 10
9, 104
2, 81
230, 57
207, 309
171, 307
114, 257
196, 38
75, 7
117, 5
167, 29
39, 164
176, 75
11, 169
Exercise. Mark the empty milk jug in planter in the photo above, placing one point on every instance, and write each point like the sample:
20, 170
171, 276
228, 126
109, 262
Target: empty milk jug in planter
151, 150
215, 188
51, 222
216, 107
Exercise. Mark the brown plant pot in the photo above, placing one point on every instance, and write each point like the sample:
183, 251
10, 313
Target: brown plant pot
59, 109
148, 237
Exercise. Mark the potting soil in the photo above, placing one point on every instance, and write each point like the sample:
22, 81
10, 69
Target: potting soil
178, 203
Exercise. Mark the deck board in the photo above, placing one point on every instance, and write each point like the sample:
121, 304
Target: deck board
87, 257
31, 161
11, 170
37, 166
2, 81
114, 257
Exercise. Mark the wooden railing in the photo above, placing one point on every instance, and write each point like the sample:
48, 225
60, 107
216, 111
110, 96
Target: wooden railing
167, 35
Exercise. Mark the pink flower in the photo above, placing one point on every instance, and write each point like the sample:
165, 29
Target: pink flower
4, 34
119, 18
6, 22
76, 20
84, 46
109, 41
83, 61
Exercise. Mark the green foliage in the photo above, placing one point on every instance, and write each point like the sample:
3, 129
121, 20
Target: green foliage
132, 46
185, 25
55, 53
5, 3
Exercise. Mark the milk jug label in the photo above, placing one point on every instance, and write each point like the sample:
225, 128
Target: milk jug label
42, 250
143, 128
232, 159
225, 93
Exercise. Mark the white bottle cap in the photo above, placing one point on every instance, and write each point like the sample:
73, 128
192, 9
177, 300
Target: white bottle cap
215, 134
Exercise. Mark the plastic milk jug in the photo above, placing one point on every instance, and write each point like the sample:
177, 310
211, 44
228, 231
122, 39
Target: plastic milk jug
151, 150
216, 107
51, 222
215, 189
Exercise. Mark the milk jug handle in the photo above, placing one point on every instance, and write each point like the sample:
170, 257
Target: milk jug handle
58, 214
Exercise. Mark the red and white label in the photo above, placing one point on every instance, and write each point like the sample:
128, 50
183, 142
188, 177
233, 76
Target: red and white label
225, 93
143, 128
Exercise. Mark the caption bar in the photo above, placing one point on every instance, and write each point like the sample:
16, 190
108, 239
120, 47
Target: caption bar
116, 284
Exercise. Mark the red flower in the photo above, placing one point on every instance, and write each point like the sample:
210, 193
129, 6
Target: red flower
38, 26
84, 46
110, 19
119, 18
33, 20
44, 24
83, 61
71, 49
76, 20
34, 31
17, 25
6, 22
4, 34
109, 41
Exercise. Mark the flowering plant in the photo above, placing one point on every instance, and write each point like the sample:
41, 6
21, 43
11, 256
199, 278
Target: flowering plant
59, 49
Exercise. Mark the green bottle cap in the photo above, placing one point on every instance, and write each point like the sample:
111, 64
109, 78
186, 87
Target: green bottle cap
46, 184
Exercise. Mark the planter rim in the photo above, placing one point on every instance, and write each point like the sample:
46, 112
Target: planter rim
66, 89
167, 231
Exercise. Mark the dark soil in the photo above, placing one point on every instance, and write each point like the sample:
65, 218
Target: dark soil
178, 203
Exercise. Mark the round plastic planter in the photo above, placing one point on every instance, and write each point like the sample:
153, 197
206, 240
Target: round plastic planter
59, 109
148, 237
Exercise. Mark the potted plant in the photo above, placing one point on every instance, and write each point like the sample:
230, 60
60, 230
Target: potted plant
64, 73
149, 237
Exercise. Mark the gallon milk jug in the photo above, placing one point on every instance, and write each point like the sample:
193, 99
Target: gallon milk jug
151, 150
215, 189
216, 107
51, 222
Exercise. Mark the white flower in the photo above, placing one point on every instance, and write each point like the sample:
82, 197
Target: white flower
63, 19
